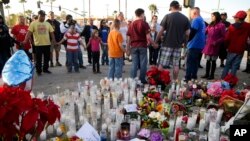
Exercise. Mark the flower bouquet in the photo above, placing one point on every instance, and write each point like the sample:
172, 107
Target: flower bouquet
21, 115
158, 77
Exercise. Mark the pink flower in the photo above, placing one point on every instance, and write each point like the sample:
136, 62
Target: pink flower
215, 89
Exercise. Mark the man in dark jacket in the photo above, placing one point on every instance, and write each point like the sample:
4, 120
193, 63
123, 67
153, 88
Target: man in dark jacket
56, 26
86, 33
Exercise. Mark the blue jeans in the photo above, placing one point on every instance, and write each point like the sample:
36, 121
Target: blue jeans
80, 59
105, 58
232, 63
193, 62
115, 68
139, 60
72, 58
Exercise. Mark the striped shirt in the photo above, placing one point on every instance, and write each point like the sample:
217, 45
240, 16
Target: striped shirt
72, 41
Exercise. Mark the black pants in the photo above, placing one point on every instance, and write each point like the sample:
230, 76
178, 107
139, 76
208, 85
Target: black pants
153, 55
42, 52
96, 60
89, 54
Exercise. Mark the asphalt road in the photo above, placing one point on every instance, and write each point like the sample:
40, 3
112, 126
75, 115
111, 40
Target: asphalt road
49, 83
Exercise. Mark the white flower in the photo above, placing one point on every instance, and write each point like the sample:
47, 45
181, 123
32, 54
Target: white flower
158, 116
152, 114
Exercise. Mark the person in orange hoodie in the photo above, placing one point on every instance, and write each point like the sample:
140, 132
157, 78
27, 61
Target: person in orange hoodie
235, 40
115, 51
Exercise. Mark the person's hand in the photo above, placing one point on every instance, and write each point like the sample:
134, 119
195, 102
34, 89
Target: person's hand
155, 46
128, 52
24, 42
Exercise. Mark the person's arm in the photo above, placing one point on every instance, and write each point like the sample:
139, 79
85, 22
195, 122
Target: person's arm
193, 32
27, 37
60, 42
78, 29
63, 28
128, 47
89, 42
159, 35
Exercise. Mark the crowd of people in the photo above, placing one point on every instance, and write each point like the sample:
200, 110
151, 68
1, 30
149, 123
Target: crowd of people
176, 38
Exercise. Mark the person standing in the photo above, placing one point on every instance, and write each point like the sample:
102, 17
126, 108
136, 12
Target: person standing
19, 32
235, 40
64, 28
176, 25
41, 31
215, 37
116, 51
138, 38
123, 29
223, 49
154, 21
86, 33
196, 44
153, 53
6, 43
95, 42
247, 70
103, 33
72, 38
57, 33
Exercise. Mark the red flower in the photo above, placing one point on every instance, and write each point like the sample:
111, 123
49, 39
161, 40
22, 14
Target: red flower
231, 79
20, 114
151, 81
164, 124
154, 95
165, 77
158, 77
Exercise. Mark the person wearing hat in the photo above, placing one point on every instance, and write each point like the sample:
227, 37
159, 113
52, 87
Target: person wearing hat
41, 31
176, 26
223, 50
235, 41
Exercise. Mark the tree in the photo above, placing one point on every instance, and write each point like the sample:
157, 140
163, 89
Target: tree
153, 8
23, 2
7, 7
13, 18
28, 13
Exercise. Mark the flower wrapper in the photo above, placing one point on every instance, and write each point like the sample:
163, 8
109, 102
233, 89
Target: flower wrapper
144, 133
156, 136
18, 69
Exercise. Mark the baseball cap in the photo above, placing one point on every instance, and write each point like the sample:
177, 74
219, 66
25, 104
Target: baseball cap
224, 13
41, 12
174, 4
240, 15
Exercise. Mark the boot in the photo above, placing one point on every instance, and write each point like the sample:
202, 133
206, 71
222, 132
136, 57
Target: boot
208, 65
211, 77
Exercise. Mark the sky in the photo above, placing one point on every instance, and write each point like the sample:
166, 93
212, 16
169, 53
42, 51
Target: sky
100, 8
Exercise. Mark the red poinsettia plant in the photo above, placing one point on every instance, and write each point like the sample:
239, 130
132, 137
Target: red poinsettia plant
158, 77
20, 114
231, 79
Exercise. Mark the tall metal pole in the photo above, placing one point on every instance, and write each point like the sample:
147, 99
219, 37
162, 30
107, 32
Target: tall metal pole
107, 10
51, 5
89, 9
126, 8
218, 8
83, 8
119, 10
2, 10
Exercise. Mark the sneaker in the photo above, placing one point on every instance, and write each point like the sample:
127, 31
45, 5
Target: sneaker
58, 64
77, 71
82, 67
98, 72
47, 71
51, 64
200, 66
